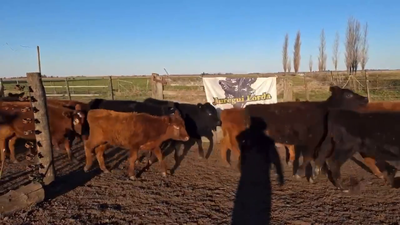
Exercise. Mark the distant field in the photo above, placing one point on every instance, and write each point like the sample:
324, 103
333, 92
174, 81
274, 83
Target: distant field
384, 85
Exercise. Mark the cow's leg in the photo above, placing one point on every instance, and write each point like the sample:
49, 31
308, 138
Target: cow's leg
159, 155
88, 154
371, 163
133, 155
223, 150
177, 153
67, 145
335, 162
292, 154
100, 157
211, 145
3, 150
200, 148
11, 146
307, 158
324, 152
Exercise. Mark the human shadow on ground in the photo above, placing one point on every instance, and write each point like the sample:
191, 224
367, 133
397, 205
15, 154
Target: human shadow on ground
252, 203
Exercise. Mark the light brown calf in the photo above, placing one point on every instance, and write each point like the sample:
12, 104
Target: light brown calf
133, 131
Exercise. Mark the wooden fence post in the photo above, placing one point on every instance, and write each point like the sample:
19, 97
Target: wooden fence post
157, 86
111, 88
287, 90
306, 88
367, 85
43, 137
1, 88
67, 88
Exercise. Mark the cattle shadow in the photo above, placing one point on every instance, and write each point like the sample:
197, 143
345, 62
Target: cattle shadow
77, 177
182, 149
70, 174
252, 204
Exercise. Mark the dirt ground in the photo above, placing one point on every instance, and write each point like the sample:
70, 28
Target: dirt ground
200, 192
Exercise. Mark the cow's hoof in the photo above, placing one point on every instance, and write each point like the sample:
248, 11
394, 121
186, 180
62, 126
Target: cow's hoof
345, 190
164, 174
317, 171
290, 164
200, 157
86, 169
381, 176
106, 171
297, 176
132, 178
311, 180
169, 172
14, 161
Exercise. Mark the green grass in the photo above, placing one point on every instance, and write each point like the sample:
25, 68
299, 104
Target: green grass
384, 86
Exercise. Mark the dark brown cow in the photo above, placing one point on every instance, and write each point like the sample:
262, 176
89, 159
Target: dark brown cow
64, 123
297, 123
134, 131
372, 133
369, 160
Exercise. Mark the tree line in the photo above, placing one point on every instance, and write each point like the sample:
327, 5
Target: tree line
356, 50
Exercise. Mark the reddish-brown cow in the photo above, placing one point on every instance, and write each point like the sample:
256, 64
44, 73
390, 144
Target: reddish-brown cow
64, 124
134, 131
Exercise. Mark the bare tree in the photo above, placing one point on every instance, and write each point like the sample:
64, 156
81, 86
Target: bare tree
296, 53
364, 48
310, 64
322, 53
335, 53
289, 65
352, 44
285, 53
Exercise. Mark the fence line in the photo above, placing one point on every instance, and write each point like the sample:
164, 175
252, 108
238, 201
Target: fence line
309, 86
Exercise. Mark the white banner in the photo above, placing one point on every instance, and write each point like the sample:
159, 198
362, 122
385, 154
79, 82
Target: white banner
226, 92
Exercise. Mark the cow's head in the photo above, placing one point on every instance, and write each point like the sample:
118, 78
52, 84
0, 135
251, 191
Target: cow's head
176, 127
209, 115
77, 117
345, 98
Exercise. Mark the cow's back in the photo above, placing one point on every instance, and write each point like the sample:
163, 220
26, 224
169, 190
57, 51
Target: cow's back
291, 122
124, 129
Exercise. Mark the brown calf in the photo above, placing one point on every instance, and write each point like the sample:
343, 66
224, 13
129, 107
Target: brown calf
64, 123
134, 131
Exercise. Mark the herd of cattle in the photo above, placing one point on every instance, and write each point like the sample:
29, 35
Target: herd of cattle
327, 133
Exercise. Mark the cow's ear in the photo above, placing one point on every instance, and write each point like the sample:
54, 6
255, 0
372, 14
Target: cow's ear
67, 114
199, 105
176, 113
78, 107
334, 88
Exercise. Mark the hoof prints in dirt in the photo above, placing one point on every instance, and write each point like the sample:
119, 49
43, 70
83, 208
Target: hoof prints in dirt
203, 192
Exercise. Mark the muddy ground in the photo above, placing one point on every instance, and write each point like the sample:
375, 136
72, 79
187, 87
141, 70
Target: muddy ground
200, 192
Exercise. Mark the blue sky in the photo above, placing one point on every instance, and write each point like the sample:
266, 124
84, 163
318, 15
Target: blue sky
125, 37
